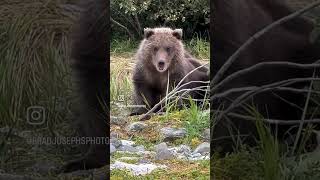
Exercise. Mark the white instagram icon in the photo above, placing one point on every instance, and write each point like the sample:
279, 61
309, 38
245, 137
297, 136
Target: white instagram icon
36, 115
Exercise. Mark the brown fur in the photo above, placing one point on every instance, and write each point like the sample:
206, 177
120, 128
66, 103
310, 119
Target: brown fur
90, 65
234, 22
149, 80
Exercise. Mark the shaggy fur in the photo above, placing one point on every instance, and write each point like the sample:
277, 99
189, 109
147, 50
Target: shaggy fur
150, 82
91, 66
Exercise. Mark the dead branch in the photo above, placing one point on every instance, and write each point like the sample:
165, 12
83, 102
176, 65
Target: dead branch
170, 94
257, 35
122, 26
244, 97
261, 65
273, 121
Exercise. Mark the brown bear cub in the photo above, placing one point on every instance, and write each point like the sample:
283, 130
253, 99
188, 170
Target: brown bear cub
161, 53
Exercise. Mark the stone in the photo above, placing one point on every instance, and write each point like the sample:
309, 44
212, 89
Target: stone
116, 142
136, 126
127, 148
114, 135
117, 120
203, 148
183, 149
126, 142
140, 148
162, 152
112, 149
136, 169
206, 135
170, 134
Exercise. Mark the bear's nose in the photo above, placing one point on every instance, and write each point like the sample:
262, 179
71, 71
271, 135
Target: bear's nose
161, 63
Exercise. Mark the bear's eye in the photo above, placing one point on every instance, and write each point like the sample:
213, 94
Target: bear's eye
168, 49
155, 49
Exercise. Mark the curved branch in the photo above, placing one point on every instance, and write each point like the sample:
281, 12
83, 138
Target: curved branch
122, 26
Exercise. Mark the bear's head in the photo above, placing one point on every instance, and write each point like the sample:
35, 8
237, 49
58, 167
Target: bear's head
163, 46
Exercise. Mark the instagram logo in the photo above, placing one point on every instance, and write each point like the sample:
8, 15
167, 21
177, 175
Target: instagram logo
35, 115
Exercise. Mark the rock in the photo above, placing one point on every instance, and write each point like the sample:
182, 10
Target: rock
114, 135
162, 152
112, 149
144, 161
126, 142
115, 142
136, 126
127, 148
142, 153
117, 121
206, 135
140, 148
184, 149
170, 134
203, 148
140, 169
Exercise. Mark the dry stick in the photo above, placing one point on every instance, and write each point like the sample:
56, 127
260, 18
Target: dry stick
263, 64
275, 84
257, 35
122, 26
237, 102
274, 121
251, 88
303, 116
173, 91
200, 88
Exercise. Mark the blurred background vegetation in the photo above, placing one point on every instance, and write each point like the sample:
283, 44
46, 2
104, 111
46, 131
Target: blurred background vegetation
129, 17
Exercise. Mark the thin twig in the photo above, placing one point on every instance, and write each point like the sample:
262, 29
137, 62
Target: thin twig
170, 94
303, 116
122, 26
257, 35
264, 64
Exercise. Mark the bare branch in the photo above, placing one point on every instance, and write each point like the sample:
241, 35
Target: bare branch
273, 121
122, 26
244, 97
257, 35
261, 65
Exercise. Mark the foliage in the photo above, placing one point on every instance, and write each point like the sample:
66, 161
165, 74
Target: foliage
190, 15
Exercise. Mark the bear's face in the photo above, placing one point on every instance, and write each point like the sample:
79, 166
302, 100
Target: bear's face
163, 44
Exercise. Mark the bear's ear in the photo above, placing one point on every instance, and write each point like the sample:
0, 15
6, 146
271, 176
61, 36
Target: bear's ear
177, 33
148, 32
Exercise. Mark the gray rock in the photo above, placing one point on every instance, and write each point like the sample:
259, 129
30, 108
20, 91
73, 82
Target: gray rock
203, 148
184, 149
112, 149
162, 152
116, 142
136, 126
127, 148
126, 142
144, 161
117, 120
206, 135
140, 169
170, 134
114, 135
140, 148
